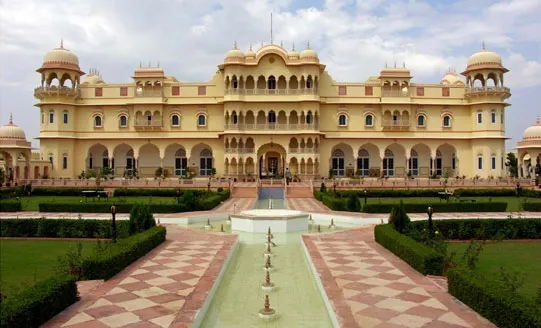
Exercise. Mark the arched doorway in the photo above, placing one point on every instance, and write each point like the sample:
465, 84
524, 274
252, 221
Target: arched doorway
271, 161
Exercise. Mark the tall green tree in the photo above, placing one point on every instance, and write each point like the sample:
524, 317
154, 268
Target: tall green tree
512, 164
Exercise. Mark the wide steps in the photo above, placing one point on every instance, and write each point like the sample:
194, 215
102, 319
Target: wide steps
299, 192
244, 192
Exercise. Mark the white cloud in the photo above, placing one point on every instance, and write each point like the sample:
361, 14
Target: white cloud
524, 73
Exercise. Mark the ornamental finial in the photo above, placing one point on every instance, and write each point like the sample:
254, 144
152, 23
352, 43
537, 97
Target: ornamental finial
62, 43
11, 118
538, 122
251, 46
235, 47
484, 46
293, 46
308, 45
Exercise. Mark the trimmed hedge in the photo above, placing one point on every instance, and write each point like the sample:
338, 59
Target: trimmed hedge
61, 191
10, 206
421, 257
118, 256
531, 207
163, 192
466, 229
492, 301
62, 228
403, 193
439, 207
485, 192
35, 305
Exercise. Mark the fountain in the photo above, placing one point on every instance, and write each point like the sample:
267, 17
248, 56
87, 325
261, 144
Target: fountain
319, 228
268, 252
268, 266
310, 221
222, 228
267, 313
228, 222
208, 226
278, 220
332, 226
267, 286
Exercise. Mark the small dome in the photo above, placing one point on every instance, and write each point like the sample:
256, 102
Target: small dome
61, 56
309, 54
250, 53
93, 78
485, 57
234, 54
451, 78
11, 131
293, 54
533, 132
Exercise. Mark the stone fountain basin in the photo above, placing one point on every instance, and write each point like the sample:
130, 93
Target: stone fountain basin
278, 220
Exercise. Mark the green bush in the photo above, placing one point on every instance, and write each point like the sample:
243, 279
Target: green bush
62, 228
439, 207
531, 207
492, 301
10, 206
106, 208
353, 203
37, 304
399, 218
335, 204
530, 193
61, 191
466, 229
323, 187
419, 256
141, 219
485, 192
116, 257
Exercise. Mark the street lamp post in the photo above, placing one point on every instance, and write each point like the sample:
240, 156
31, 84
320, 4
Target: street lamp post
365, 196
113, 213
178, 196
430, 224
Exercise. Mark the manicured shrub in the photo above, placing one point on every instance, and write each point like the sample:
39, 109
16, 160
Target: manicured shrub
421, 257
37, 304
466, 229
141, 219
485, 192
390, 193
439, 207
323, 187
116, 257
62, 228
399, 218
39, 191
492, 301
353, 204
531, 207
335, 204
530, 193
10, 206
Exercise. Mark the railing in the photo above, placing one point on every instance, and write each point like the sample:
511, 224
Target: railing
487, 89
272, 92
394, 93
303, 150
270, 126
143, 123
15, 142
149, 93
239, 150
59, 90
399, 123
401, 181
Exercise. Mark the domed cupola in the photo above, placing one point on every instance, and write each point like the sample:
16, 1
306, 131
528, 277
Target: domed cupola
11, 133
533, 132
452, 78
93, 77
61, 65
250, 54
308, 55
486, 67
293, 54
234, 55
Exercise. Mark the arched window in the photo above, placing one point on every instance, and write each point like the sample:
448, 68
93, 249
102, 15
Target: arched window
439, 163
90, 162
205, 161
181, 162
338, 164
421, 121
388, 163
272, 117
123, 121
235, 83
308, 84
271, 83
447, 121
64, 161
493, 162
309, 117
479, 162
493, 116
342, 120
97, 121
414, 163
363, 163
65, 117
369, 120
479, 117
51, 116
130, 163
234, 118
453, 161
201, 120
105, 159
175, 121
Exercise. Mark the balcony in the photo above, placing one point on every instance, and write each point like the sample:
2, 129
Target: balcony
240, 151
396, 124
271, 127
395, 93
148, 93
148, 125
479, 91
41, 92
303, 150
294, 94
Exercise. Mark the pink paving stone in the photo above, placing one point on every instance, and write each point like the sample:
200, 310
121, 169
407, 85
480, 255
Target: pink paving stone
379, 268
426, 311
88, 324
152, 312
135, 286
165, 298
142, 324
145, 276
388, 276
413, 297
183, 276
345, 268
359, 286
352, 277
400, 286
174, 286
196, 261
122, 297
341, 261
104, 311
378, 313
368, 299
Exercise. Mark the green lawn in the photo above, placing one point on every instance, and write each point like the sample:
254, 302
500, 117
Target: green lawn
513, 202
32, 203
521, 256
24, 262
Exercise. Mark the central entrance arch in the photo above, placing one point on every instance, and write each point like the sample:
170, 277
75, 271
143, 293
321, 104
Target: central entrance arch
271, 159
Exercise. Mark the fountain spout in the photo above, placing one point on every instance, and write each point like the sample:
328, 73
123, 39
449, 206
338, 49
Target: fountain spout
208, 226
332, 226
267, 285
267, 312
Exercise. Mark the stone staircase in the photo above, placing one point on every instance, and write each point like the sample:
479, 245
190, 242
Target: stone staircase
299, 192
244, 192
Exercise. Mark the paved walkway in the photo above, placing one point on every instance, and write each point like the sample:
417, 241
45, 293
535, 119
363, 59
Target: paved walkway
370, 287
165, 288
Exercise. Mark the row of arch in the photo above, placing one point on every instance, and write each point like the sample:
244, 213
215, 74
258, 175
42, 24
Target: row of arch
271, 82
480, 80
55, 79
294, 143
271, 117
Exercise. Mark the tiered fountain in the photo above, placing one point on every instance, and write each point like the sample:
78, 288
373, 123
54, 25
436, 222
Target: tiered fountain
279, 220
267, 286
267, 313
332, 226
208, 226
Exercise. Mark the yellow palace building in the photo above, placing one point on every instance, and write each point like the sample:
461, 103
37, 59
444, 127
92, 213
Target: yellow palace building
267, 110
